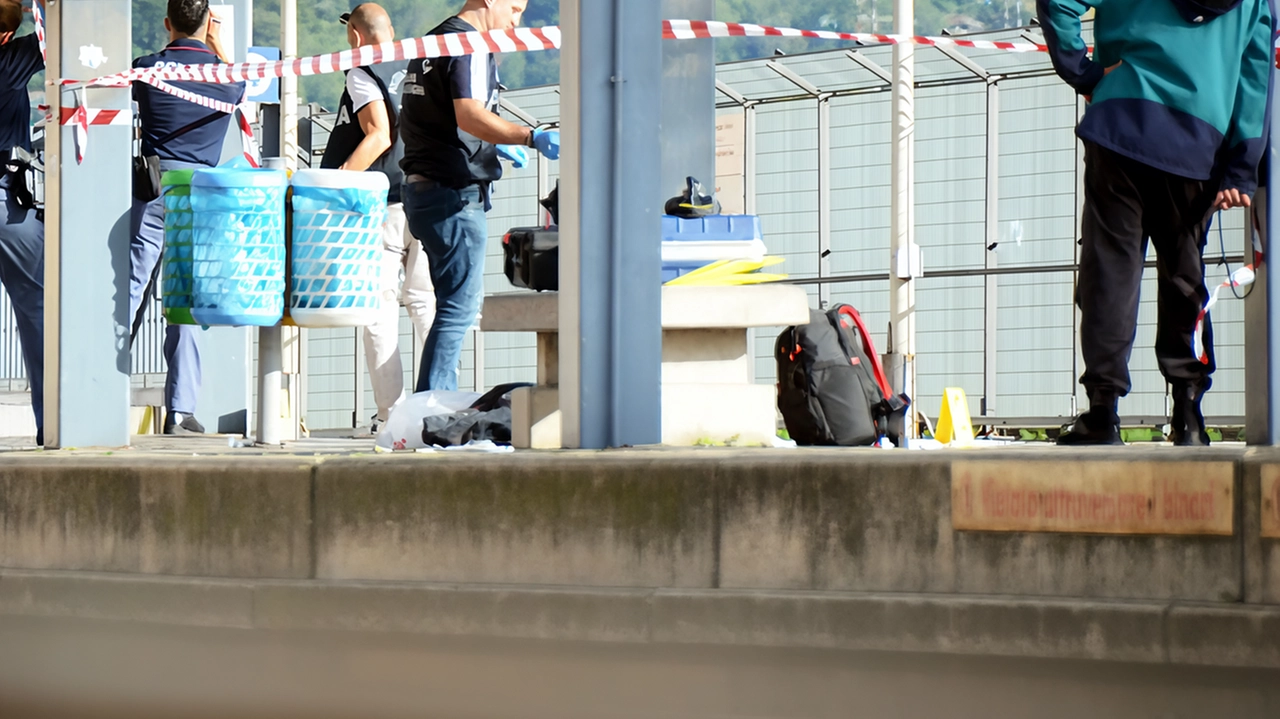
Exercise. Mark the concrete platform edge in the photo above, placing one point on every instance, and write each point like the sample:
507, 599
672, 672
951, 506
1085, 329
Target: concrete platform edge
1124, 631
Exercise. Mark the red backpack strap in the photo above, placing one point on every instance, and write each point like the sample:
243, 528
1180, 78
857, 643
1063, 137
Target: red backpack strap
869, 348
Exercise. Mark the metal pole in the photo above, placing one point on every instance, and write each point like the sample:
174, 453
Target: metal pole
749, 204
1257, 397
902, 291
1077, 358
824, 198
270, 377
610, 286
53, 229
358, 375
477, 360
991, 301
749, 157
1272, 273
271, 339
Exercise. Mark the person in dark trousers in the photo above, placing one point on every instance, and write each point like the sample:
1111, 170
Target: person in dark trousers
453, 138
21, 227
366, 137
183, 135
1179, 101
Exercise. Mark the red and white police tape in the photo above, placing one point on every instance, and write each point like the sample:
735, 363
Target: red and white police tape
494, 41
433, 46
96, 117
696, 29
1242, 277
37, 14
450, 45
81, 118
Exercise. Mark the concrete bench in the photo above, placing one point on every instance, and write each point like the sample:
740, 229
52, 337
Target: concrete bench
707, 392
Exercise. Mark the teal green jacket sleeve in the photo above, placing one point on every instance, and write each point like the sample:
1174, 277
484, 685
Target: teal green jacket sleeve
1251, 118
1060, 21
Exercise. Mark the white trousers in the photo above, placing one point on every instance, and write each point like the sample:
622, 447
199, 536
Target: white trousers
401, 252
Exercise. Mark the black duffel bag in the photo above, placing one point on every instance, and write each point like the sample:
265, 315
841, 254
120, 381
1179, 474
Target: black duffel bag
531, 258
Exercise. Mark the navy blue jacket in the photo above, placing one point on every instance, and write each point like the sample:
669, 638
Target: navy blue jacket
163, 114
20, 60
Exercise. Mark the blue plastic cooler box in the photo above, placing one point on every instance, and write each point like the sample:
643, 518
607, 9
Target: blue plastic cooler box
237, 246
690, 243
337, 247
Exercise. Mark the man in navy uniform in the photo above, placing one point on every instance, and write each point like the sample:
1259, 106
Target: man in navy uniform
21, 229
453, 139
183, 135
366, 137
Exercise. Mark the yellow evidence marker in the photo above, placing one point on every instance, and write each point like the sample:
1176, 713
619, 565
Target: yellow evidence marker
954, 426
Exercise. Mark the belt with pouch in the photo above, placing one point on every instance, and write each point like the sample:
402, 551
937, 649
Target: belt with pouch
426, 183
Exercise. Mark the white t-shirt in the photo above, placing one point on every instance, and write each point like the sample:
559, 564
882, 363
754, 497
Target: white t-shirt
362, 88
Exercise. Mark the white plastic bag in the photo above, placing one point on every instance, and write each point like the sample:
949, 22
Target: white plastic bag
403, 429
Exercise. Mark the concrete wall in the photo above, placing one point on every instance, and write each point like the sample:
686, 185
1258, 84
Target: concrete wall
210, 518
859, 521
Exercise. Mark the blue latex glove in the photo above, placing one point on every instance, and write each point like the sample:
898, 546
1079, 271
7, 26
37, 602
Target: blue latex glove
518, 156
548, 143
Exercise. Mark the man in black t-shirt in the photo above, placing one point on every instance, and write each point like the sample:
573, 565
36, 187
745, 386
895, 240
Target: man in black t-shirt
453, 138
21, 229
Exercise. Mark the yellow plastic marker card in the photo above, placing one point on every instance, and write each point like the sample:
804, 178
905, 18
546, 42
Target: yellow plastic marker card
731, 272
954, 425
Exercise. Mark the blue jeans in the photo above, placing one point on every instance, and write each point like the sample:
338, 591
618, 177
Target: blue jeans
181, 351
22, 274
453, 229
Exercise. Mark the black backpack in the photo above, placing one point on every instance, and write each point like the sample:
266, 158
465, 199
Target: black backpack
832, 389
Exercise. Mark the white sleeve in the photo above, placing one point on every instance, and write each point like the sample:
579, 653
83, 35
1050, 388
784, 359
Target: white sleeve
362, 89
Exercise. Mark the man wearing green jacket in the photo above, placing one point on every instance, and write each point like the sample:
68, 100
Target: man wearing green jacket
1179, 96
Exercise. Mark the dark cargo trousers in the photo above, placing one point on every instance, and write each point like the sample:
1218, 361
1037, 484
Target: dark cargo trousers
1127, 203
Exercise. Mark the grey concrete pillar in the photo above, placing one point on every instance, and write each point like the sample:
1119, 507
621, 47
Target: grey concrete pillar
87, 235
688, 101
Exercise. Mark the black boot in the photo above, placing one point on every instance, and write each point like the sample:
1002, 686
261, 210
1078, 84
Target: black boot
1186, 422
1099, 426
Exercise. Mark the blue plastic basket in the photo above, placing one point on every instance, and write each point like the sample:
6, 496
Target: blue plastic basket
336, 251
237, 246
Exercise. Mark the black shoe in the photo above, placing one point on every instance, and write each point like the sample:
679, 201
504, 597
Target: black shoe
1088, 430
40, 437
178, 423
1186, 422
1099, 426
